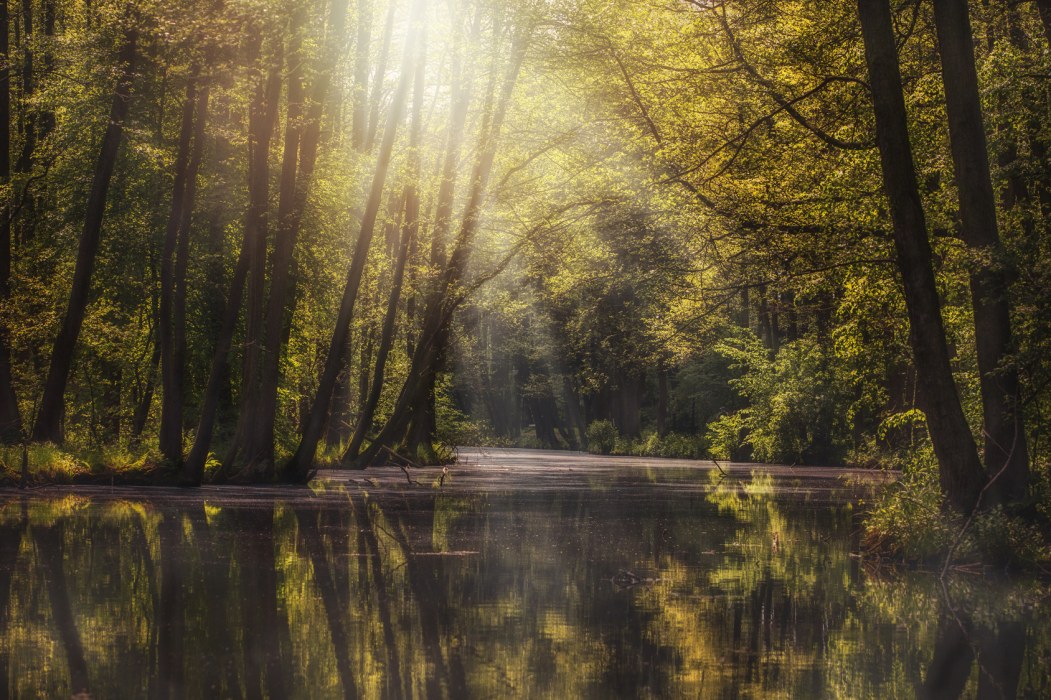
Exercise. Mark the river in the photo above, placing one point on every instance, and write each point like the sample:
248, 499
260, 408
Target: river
513, 574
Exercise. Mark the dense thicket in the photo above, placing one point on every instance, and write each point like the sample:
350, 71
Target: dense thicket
251, 236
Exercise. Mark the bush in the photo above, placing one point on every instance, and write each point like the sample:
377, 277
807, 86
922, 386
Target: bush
795, 404
909, 521
602, 437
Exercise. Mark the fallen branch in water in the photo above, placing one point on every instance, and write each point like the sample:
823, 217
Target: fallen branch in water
408, 476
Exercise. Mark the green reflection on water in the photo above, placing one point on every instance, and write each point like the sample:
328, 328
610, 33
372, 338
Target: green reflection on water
733, 590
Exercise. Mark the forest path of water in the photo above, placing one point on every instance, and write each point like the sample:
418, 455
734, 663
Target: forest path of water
503, 470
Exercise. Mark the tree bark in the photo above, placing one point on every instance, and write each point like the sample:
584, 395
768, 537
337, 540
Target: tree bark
301, 463
446, 297
296, 178
170, 436
1006, 452
49, 421
960, 469
262, 116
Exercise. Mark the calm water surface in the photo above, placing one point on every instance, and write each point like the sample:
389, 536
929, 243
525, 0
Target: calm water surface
521, 575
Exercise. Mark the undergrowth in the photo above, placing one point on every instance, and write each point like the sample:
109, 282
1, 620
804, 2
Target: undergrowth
908, 521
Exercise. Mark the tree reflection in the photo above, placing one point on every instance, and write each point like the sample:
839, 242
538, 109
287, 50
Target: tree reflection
737, 592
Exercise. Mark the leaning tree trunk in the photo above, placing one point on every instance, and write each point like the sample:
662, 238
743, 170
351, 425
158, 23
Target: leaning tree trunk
368, 411
960, 469
48, 427
301, 463
447, 296
359, 96
1006, 452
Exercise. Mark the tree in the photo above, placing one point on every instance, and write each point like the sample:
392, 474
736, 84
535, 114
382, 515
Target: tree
962, 476
48, 425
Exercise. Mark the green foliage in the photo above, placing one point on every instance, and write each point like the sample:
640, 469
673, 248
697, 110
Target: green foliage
602, 437
795, 399
909, 520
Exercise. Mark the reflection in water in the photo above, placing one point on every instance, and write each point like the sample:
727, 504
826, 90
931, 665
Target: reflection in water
613, 589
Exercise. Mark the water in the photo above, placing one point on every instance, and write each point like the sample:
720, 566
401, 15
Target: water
522, 575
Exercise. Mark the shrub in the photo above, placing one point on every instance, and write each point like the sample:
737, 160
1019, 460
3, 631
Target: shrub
602, 437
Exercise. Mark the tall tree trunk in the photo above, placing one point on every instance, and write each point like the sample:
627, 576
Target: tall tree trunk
409, 227
1006, 452
25, 158
193, 466
182, 257
662, 400
10, 418
302, 461
960, 469
48, 427
423, 413
262, 116
170, 436
296, 178
446, 297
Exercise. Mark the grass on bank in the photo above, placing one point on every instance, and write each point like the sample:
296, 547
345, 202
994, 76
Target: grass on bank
50, 464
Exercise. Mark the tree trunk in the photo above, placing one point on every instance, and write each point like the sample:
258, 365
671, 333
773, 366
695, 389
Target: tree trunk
193, 467
960, 469
262, 116
48, 427
445, 299
182, 257
296, 177
1006, 453
170, 437
301, 463
576, 420
25, 158
142, 406
662, 400
10, 418
409, 227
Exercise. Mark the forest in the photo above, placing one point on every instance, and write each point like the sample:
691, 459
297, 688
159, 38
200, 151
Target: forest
244, 239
